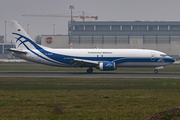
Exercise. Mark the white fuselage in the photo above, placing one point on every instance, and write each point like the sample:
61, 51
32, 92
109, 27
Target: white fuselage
122, 57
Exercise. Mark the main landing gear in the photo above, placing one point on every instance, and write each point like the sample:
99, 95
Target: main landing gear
90, 70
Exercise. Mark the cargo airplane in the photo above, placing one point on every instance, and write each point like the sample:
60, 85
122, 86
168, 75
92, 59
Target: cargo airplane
102, 59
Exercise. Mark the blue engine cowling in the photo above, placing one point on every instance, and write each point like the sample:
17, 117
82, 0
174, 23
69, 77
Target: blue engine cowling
106, 66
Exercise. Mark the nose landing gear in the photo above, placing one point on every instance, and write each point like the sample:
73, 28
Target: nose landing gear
156, 71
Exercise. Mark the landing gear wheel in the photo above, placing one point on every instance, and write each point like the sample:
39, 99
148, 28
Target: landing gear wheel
155, 71
89, 70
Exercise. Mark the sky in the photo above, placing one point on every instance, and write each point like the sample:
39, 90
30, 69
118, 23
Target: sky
113, 10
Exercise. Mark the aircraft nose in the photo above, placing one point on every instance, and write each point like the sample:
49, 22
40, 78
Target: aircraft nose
171, 60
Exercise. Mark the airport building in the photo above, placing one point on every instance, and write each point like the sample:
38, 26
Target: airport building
158, 35
3, 46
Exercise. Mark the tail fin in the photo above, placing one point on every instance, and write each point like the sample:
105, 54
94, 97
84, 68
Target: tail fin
22, 39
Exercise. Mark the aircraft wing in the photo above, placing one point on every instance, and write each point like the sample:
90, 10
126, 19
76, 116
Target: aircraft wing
15, 50
82, 62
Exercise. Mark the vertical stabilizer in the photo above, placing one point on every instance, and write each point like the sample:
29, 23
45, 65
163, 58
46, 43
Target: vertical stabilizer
22, 39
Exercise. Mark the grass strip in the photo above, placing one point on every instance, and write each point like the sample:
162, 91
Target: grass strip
86, 98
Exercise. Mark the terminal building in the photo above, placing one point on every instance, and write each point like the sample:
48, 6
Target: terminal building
157, 35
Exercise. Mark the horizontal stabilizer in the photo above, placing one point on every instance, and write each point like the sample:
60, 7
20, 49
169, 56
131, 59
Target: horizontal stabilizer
15, 50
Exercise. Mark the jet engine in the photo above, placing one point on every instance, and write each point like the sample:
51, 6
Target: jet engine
107, 66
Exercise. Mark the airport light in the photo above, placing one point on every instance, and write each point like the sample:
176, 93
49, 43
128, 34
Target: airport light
5, 33
53, 28
71, 7
28, 29
4, 38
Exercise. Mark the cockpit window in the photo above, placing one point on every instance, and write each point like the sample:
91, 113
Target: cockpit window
163, 55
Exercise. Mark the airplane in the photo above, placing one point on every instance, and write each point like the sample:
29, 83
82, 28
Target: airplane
102, 59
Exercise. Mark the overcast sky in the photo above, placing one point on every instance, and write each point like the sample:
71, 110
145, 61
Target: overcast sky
116, 10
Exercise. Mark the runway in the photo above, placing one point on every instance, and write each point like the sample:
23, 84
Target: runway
93, 75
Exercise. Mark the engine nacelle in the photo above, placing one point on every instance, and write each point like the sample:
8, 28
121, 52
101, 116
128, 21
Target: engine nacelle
107, 66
